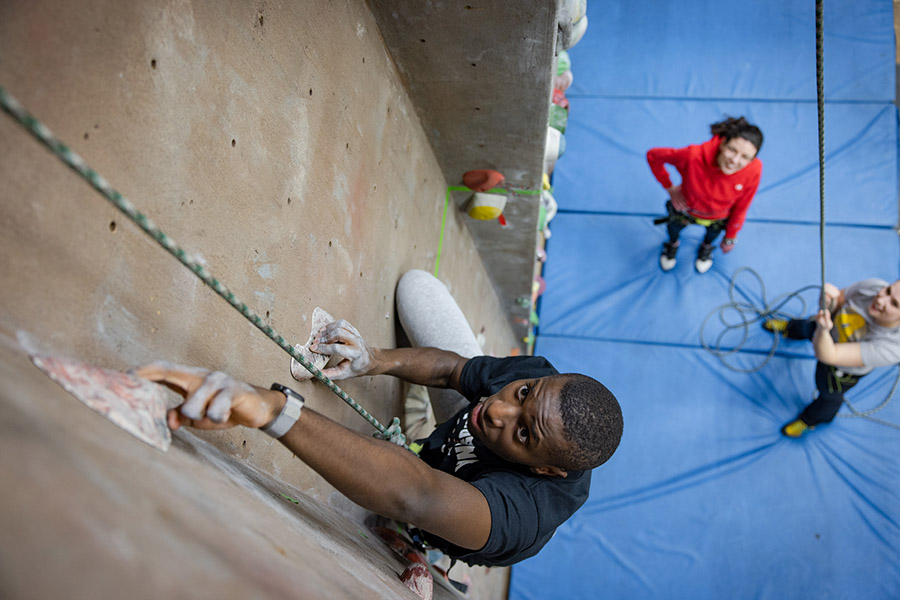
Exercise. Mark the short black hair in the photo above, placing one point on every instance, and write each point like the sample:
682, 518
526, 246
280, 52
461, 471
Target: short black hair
592, 423
740, 127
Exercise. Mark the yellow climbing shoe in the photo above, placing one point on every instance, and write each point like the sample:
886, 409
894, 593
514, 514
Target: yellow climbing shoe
775, 325
795, 428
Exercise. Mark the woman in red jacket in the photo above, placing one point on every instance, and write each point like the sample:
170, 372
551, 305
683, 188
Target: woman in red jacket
718, 181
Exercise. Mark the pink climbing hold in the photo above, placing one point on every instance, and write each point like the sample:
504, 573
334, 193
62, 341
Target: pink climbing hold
559, 98
418, 579
482, 180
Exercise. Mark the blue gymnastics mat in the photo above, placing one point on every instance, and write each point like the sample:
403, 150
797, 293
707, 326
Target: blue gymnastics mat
759, 50
605, 165
705, 499
604, 281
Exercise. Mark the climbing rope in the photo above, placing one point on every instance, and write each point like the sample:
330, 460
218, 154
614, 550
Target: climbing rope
867, 413
820, 103
37, 129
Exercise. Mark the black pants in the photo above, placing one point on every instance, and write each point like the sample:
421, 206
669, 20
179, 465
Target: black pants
678, 221
831, 382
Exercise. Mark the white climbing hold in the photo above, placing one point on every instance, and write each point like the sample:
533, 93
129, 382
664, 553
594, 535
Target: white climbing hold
320, 319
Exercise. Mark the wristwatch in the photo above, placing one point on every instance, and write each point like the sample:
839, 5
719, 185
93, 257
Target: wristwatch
280, 425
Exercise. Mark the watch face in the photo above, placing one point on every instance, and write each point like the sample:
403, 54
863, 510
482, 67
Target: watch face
287, 391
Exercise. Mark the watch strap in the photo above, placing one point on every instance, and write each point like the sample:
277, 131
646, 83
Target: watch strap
280, 425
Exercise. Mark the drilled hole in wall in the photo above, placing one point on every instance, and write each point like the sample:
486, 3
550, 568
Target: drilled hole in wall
329, 243
260, 20
233, 143
310, 91
289, 200
152, 63
348, 145
267, 314
423, 41
112, 225
474, 65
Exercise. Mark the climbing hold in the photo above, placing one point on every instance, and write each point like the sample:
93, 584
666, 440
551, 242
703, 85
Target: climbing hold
482, 180
563, 63
559, 117
320, 319
486, 207
578, 30
559, 98
562, 82
538, 287
417, 578
552, 149
549, 202
136, 405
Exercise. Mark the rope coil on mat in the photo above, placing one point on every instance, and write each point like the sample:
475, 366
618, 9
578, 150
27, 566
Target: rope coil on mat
37, 129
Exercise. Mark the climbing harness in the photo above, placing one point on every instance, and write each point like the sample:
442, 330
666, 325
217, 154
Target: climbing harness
37, 129
684, 218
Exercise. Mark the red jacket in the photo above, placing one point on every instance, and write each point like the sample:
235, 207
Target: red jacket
710, 194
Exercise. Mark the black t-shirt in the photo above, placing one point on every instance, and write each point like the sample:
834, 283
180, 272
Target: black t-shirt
526, 508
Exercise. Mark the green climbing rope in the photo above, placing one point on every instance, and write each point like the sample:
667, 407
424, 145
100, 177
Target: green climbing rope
12, 107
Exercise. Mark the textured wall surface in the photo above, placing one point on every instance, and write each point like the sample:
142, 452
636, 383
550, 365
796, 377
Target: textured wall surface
277, 142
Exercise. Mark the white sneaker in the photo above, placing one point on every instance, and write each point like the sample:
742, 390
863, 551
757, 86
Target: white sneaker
704, 258
702, 266
667, 259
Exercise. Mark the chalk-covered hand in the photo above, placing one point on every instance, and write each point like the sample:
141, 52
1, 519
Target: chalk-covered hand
823, 320
727, 245
677, 198
340, 338
212, 399
832, 295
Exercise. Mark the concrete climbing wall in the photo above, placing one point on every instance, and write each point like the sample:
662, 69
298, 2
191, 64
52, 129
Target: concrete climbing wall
275, 141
